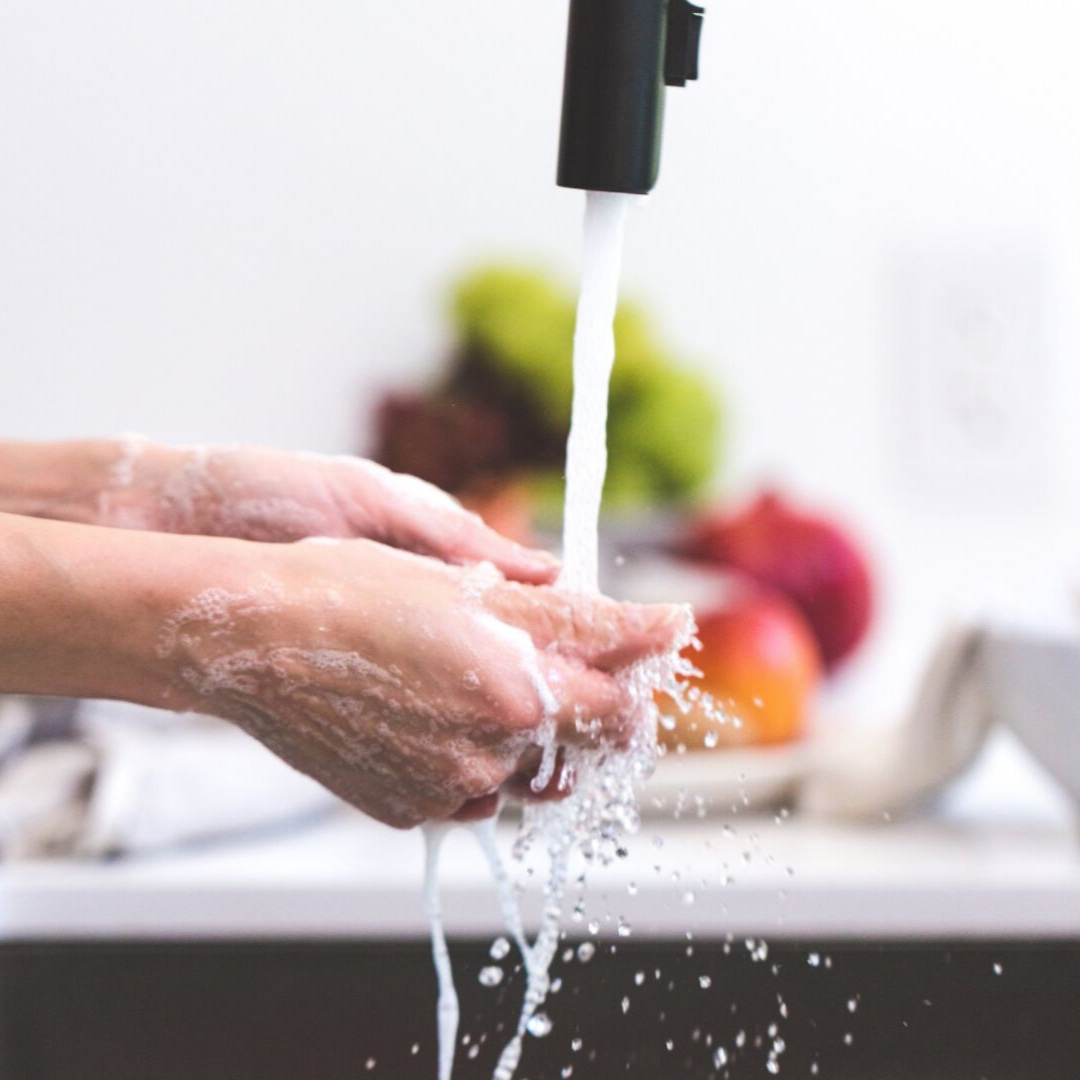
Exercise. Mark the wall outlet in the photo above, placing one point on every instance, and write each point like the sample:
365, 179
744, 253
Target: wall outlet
971, 411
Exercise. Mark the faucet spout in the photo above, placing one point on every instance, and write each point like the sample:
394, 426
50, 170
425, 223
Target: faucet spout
620, 55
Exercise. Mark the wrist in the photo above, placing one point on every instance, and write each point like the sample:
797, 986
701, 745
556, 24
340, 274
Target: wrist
83, 481
85, 607
51, 480
162, 576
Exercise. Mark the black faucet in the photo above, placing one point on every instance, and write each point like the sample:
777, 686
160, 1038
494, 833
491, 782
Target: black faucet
620, 55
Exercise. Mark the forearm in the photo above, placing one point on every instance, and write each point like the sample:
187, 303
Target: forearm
81, 608
86, 481
60, 480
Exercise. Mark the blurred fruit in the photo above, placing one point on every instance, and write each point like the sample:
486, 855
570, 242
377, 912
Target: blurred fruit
441, 441
806, 557
503, 408
761, 665
506, 508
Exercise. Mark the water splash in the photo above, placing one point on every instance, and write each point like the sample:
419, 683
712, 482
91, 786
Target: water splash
582, 816
603, 804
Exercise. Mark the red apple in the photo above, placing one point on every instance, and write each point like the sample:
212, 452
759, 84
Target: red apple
805, 556
760, 663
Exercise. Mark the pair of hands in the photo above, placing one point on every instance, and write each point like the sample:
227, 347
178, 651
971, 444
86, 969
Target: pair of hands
407, 666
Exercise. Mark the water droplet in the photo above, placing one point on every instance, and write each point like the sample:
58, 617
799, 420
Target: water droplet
556, 985
773, 1066
490, 976
586, 951
688, 897
568, 1070
670, 1044
624, 929
998, 969
369, 1064
539, 1025
500, 948
852, 1005
474, 1051
632, 888
740, 1039
594, 927
625, 1005
639, 978
710, 740
576, 1045
849, 1039
814, 959
415, 1049
720, 1058
704, 981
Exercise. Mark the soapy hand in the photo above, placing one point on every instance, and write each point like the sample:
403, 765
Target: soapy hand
414, 689
256, 493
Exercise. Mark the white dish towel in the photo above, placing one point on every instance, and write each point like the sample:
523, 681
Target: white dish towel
137, 779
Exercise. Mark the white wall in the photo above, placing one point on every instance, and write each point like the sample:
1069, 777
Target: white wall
233, 220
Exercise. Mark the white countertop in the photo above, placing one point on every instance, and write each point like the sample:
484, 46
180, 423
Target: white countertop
1000, 859
347, 877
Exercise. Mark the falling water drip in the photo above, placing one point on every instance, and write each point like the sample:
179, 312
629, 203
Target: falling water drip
594, 357
448, 1012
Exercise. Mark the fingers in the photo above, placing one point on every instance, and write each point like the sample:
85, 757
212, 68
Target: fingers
471, 541
561, 784
420, 517
478, 809
591, 703
593, 629
519, 786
